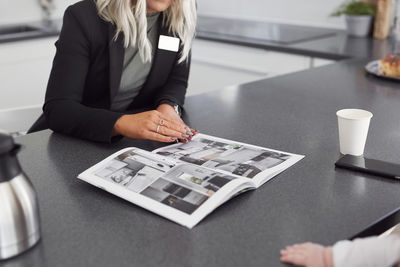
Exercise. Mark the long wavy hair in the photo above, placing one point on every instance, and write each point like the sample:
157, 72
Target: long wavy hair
130, 20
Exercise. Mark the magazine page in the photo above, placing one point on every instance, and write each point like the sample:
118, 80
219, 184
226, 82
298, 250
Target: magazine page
183, 193
253, 162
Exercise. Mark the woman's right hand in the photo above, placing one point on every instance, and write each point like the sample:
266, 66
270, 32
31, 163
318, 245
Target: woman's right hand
144, 125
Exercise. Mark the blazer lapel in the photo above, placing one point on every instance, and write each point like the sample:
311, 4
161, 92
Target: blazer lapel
162, 61
116, 52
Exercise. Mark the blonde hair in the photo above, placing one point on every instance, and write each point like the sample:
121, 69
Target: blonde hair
131, 20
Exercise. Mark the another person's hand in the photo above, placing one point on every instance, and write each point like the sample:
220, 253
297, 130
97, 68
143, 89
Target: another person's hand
308, 254
152, 125
170, 112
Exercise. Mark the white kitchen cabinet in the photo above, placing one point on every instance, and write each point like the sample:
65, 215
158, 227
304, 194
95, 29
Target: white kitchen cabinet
24, 71
25, 67
205, 76
216, 65
319, 62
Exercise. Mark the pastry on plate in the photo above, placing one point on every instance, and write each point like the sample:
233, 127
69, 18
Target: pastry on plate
390, 65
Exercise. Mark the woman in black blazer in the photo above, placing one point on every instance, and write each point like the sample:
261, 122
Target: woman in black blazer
89, 62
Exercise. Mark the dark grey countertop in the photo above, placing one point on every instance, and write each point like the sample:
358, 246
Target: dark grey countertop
333, 44
29, 31
327, 43
312, 201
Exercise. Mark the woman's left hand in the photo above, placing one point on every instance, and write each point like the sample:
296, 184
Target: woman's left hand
169, 111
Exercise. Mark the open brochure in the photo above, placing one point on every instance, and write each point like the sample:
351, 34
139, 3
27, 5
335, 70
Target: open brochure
185, 182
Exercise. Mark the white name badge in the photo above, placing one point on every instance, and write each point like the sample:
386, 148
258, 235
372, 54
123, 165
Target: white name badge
168, 43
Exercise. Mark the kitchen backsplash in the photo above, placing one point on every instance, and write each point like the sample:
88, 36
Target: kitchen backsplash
309, 12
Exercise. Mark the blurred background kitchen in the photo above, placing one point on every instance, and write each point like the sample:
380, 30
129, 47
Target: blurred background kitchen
228, 49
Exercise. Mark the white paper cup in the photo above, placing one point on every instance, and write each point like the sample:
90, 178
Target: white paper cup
353, 130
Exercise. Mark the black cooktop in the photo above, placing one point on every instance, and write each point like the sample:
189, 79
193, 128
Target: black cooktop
261, 30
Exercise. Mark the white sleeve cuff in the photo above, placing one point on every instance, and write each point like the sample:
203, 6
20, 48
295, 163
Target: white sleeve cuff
367, 252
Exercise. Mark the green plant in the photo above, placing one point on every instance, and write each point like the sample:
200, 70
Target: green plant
355, 8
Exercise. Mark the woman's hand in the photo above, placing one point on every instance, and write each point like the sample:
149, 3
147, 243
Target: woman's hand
308, 254
152, 125
170, 112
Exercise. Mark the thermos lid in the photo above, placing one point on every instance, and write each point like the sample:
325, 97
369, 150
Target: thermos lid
6, 143
9, 165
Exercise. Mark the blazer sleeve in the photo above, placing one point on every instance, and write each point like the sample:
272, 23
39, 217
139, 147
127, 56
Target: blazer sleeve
175, 88
63, 106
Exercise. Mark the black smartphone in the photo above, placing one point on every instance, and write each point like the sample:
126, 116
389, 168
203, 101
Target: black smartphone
371, 166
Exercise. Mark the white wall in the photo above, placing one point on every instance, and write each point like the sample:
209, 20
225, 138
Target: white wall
16, 11
305, 12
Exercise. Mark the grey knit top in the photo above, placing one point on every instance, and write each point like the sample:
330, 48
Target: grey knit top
135, 71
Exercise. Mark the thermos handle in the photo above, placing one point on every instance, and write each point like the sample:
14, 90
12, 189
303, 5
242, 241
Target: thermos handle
16, 149
9, 165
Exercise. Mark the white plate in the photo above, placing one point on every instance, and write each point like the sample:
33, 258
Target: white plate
373, 68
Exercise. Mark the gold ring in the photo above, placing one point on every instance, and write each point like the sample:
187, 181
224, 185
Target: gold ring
158, 128
161, 122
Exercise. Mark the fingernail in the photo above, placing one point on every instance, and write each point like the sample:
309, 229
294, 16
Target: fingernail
188, 130
185, 136
174, 139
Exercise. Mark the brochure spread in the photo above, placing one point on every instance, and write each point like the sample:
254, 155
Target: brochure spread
186, 181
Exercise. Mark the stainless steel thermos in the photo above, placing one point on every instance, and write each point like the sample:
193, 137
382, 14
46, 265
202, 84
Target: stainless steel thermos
19, 214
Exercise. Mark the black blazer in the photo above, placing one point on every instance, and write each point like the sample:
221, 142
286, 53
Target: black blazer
86, 75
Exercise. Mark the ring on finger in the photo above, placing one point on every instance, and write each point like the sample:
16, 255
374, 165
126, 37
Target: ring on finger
161, 123
158, 128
